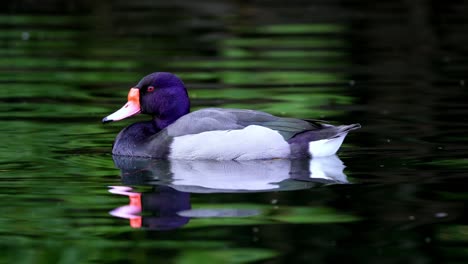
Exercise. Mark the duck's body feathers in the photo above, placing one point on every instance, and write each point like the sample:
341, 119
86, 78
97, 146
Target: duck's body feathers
215, 133
211, 119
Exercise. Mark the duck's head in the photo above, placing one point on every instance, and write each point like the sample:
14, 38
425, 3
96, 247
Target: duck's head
160, 94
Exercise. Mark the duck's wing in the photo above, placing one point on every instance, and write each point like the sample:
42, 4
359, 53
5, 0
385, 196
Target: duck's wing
211, 119
289, 127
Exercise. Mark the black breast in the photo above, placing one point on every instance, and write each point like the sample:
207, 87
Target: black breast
132, 140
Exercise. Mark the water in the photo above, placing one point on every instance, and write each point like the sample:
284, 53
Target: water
399, 69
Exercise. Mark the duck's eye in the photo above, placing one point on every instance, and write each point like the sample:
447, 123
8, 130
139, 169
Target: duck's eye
150, 89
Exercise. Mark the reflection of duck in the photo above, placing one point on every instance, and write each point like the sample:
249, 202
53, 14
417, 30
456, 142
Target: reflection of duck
202, 176
166, 208
223, 134
173, 180
164, 202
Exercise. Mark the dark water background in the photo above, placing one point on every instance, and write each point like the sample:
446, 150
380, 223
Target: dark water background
397, 67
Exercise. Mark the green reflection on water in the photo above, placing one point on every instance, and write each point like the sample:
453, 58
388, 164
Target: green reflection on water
32, 109
61, 63
453, 240
38, 34
68, 77
272, 215
245, 64
43, 44
454, 233
102, 251
300, 28
51, 90
280, 77
241, 255
297, 101
451, 163
40, 19
289, 54
31, 145
290, 42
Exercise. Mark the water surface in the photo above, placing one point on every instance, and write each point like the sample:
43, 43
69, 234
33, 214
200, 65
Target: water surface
397, 68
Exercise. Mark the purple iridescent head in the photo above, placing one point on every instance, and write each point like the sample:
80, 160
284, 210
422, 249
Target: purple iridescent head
160, 94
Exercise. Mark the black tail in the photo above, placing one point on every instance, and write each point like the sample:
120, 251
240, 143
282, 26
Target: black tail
346, 128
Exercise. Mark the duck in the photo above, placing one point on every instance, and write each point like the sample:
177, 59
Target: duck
214, 133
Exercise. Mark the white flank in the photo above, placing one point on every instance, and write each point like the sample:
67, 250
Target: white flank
252, 142
325, 147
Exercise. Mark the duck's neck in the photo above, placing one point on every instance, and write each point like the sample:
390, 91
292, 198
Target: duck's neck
161, 123
167, 118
